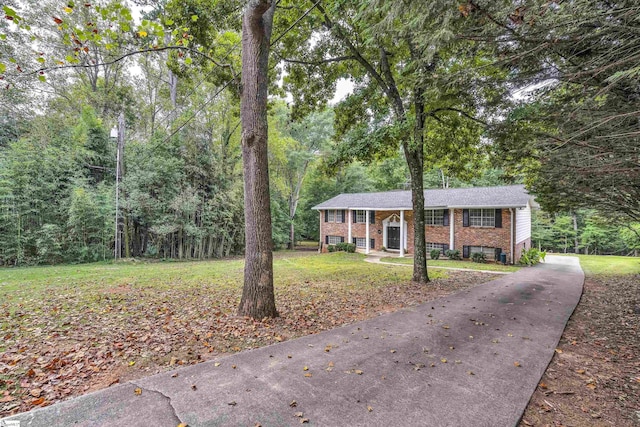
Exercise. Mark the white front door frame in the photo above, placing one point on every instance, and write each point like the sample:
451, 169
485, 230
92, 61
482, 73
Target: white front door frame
394, 221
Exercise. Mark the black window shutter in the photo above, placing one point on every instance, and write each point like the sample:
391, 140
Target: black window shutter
353, 240
344, 215
498, 252
355, 216
342, 239
372, 217
498, 218
372, 244
465, 218
445, 217
326, 239
465, 252
326, 215
445, 247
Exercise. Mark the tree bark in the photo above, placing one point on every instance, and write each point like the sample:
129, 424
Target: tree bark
414, 154
576, 242
258, 299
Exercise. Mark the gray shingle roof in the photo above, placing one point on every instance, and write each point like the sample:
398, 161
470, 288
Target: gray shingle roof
508, 196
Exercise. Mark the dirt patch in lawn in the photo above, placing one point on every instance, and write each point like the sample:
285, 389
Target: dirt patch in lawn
594, 377
66, 343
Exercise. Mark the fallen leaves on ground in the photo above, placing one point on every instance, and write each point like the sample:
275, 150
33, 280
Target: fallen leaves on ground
601, 339
67, 340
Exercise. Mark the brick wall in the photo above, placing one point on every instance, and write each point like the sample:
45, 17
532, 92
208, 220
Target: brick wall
478, 236
464, 236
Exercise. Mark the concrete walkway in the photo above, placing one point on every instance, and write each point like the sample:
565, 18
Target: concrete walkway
375, 259
470, 359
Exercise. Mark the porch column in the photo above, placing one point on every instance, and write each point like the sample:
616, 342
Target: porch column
368, 243
451, 229
401, 233
320, 233
349, 233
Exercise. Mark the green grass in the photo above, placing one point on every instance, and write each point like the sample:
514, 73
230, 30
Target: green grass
456, 264
608, 265
289, 268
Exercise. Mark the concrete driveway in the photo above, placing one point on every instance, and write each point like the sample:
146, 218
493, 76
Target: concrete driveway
470, 359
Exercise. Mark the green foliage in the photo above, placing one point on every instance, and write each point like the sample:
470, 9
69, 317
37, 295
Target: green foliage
479, 257
531, 257
331, 248
434, 253
345, 247
453, 254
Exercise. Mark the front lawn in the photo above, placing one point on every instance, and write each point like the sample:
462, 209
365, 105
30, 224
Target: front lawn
455, 264
607, 264
68, 330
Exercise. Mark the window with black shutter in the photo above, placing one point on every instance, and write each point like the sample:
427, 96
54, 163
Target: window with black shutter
465, 252
445, 217
372, 217
465, 219
372, 243
326, 216
326, 239
355, 216
498, 252
498, 223
344, 215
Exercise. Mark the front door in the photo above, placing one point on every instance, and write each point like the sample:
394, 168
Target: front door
393, 237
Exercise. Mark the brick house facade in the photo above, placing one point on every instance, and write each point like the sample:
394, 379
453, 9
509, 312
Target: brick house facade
492, 220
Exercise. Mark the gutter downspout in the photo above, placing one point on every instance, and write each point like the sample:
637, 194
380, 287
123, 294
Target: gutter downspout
349, 233
513, 246
368, 243
402, 242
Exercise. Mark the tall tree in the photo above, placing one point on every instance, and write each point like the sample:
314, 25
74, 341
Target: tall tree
578, 136
258, 298
400, 56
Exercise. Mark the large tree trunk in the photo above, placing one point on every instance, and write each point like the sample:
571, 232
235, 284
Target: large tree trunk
576, 241
258, 299
414, 154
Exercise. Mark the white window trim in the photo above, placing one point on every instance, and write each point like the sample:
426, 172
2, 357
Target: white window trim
331, 215
431, 219
489, 251
361, 219
487, 218
361, 242
334, 240
439, 246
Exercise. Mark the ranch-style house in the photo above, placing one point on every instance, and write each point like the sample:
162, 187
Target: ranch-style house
479, 219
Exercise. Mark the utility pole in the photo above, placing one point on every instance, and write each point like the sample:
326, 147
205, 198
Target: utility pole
119, 160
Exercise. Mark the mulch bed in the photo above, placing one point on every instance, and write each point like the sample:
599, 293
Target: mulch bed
594, 377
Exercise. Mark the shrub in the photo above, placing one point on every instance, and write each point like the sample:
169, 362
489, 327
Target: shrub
453, 254
532, 257
434, 254
383, 249
341, 247
479, 257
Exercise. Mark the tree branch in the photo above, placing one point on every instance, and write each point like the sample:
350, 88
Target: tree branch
324, 61
461, 112
128, 54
